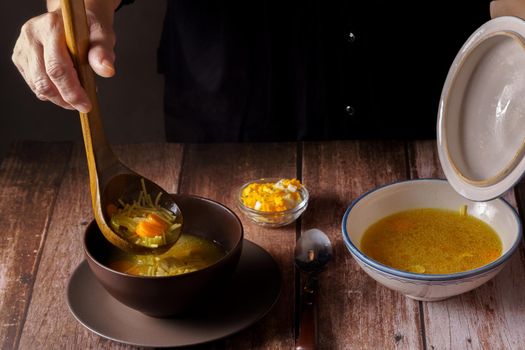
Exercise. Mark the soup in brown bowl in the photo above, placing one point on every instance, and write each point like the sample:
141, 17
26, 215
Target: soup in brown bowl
164, 296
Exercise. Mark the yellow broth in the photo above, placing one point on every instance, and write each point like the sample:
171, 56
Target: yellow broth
431, 241
190, 253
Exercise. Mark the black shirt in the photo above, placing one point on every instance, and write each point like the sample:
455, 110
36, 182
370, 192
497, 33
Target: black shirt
309, 70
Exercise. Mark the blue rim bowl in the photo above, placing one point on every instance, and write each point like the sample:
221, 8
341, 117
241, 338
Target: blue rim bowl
423, 185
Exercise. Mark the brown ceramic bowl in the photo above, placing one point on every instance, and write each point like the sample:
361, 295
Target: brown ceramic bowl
172, 295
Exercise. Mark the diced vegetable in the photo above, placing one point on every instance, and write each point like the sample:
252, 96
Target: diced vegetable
272, 197
148, 229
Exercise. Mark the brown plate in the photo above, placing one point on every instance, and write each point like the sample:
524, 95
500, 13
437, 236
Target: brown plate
254, 289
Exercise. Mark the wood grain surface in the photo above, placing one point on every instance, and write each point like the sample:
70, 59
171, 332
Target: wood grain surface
50, 182
355, 312
29, 180
49, 323
217, 172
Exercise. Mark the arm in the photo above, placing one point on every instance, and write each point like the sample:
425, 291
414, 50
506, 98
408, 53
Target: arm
507, 8
41, 56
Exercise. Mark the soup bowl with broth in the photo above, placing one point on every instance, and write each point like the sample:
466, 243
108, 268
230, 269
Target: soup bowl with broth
192, 273
421, 238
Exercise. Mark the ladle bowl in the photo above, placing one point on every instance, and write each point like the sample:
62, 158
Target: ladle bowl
125, 188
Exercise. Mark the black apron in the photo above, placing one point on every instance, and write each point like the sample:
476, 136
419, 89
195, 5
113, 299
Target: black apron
309, 70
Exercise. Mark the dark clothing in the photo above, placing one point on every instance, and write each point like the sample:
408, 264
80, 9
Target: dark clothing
309, 70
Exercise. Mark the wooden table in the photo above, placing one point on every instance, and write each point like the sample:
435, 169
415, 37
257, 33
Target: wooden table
45, 206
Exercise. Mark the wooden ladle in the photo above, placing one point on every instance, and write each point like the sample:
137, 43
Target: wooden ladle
109, 179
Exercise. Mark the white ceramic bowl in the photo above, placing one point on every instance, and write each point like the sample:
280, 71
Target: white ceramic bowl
427, 193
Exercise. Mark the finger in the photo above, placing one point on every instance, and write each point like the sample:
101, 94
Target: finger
21, 69
496, 9
28, 79
27, 57
20, 61
18, 58
101, 55
40, 83
507, 8
59, 68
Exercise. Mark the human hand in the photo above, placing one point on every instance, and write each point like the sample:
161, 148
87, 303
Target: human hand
507, 8
41, 55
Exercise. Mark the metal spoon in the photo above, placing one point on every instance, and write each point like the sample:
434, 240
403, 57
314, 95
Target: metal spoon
109, 179
313, 251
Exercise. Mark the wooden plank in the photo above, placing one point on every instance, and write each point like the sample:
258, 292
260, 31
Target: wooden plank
216, 172
355, 312
489, 317
49, 323
29, 180
424, 160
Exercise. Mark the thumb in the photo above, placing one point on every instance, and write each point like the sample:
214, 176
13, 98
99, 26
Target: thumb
101, 55
497, 9
507, 8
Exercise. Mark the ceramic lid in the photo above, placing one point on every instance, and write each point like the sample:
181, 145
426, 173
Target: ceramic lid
481, 117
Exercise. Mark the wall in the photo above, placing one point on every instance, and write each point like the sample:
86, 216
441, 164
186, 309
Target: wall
131, 102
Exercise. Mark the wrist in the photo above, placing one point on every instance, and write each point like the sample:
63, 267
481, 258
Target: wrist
105, 5
104, 10
53, 5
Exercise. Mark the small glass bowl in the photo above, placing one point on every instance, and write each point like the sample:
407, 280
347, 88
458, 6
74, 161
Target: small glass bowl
273, 219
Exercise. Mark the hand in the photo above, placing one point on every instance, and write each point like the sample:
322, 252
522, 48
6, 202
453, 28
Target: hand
507, 8
41, 55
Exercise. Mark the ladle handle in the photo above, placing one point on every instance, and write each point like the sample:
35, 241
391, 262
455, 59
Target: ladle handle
98, 152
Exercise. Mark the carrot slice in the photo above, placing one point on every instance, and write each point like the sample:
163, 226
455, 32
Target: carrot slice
147, 229
158, 221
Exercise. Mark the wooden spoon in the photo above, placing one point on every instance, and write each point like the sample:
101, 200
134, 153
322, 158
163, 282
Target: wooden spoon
109, 179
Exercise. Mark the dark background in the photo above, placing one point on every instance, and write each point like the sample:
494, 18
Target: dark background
135, 92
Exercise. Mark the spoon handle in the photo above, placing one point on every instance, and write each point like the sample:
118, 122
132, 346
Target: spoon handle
307, 339
98, 152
